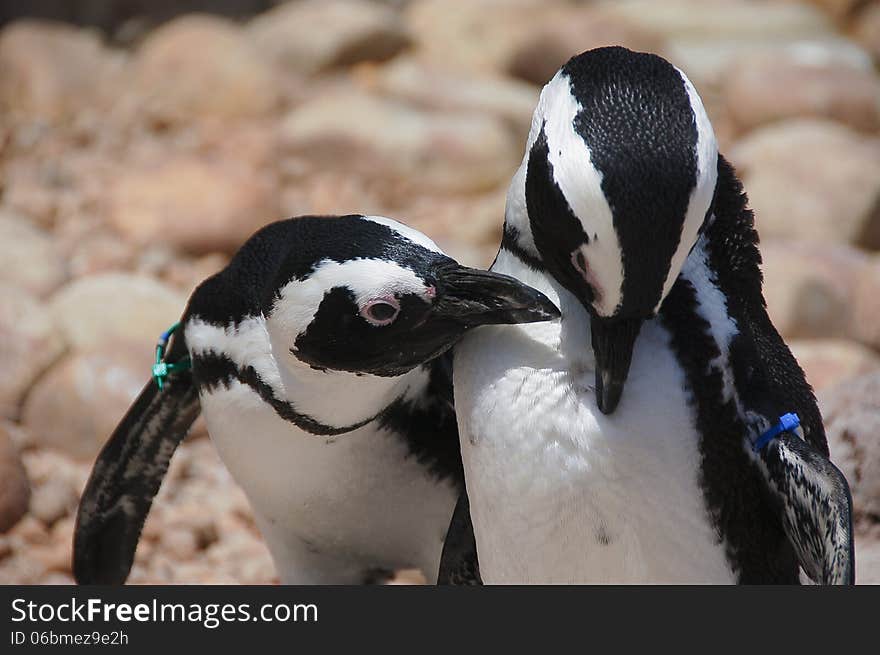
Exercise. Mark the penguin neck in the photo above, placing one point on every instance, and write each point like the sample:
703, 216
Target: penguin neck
518, 257
343, 398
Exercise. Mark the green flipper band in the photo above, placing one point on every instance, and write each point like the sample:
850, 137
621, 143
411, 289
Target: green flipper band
162, 369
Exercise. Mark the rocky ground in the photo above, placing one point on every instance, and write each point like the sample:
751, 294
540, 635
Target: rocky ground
130, 172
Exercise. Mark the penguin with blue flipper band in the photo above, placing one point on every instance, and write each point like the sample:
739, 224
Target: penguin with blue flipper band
619, 445
320, 360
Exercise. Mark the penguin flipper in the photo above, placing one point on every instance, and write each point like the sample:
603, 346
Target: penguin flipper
126, 477
458, 562
814, 505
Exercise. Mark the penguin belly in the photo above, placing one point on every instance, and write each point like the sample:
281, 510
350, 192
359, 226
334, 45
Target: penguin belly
559, 492
331, 509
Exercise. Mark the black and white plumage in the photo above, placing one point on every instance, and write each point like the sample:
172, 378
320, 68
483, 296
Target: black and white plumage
319, 359
616, 446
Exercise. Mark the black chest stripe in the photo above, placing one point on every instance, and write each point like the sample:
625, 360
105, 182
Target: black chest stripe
427, 424
212, 370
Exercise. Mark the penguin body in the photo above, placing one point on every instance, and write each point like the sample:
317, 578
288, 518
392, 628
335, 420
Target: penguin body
583, 498
319, 359
619, 445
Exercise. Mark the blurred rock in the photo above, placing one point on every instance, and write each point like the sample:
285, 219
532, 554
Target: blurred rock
559, 34
704, 38
194, 204
867, 29
851, 412
837, 9
30, 258
53, 500
867, 561
474, 221
828, 362
448, 151
433, 87
866, 321
473, 35
100, 252
722, 18
15, 490
332, 191
93, 310
29, 343
229, 79
187, 274
311, 36
812, 180
763, 88
52, 71
810, 288
76, 406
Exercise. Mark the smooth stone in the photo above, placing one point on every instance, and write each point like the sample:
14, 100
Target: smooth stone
764, 88
449, 151
229, 79
30, 258
312, 36
75, 407
851, 412
15, 491
828, 362
96, 309
29, 343
192, 203
51, 71
812, 180
810, 288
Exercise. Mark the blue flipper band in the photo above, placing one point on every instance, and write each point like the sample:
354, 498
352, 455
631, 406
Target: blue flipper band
786, 423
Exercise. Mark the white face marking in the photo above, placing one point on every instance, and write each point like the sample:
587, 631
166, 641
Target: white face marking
701, 196
581, 183
368, 279
405, 231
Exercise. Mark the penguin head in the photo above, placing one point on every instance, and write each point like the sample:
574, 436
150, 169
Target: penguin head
619, 175
381, 298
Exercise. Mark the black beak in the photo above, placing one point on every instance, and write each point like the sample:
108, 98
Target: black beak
613, 342
474, 297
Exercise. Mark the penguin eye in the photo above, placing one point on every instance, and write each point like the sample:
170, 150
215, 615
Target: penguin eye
579, 262
380, 311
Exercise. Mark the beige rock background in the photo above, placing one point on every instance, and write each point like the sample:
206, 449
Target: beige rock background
137, 152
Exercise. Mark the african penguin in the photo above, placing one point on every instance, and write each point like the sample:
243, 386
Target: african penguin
636, 440
319, 361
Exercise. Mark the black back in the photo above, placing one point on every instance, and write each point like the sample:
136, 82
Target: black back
768, 380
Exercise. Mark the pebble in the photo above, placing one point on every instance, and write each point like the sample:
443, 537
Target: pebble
812, 180
229, 79
851, 412
14, 486
31, 260
75, 407
97, 308
29, 343
312, 36
454, 152
191, 203
828, 362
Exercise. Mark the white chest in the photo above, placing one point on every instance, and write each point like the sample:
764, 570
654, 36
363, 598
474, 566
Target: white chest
330, 508
562, 493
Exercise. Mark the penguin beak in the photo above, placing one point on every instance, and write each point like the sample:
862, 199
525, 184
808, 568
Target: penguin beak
474, 297
613, 342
